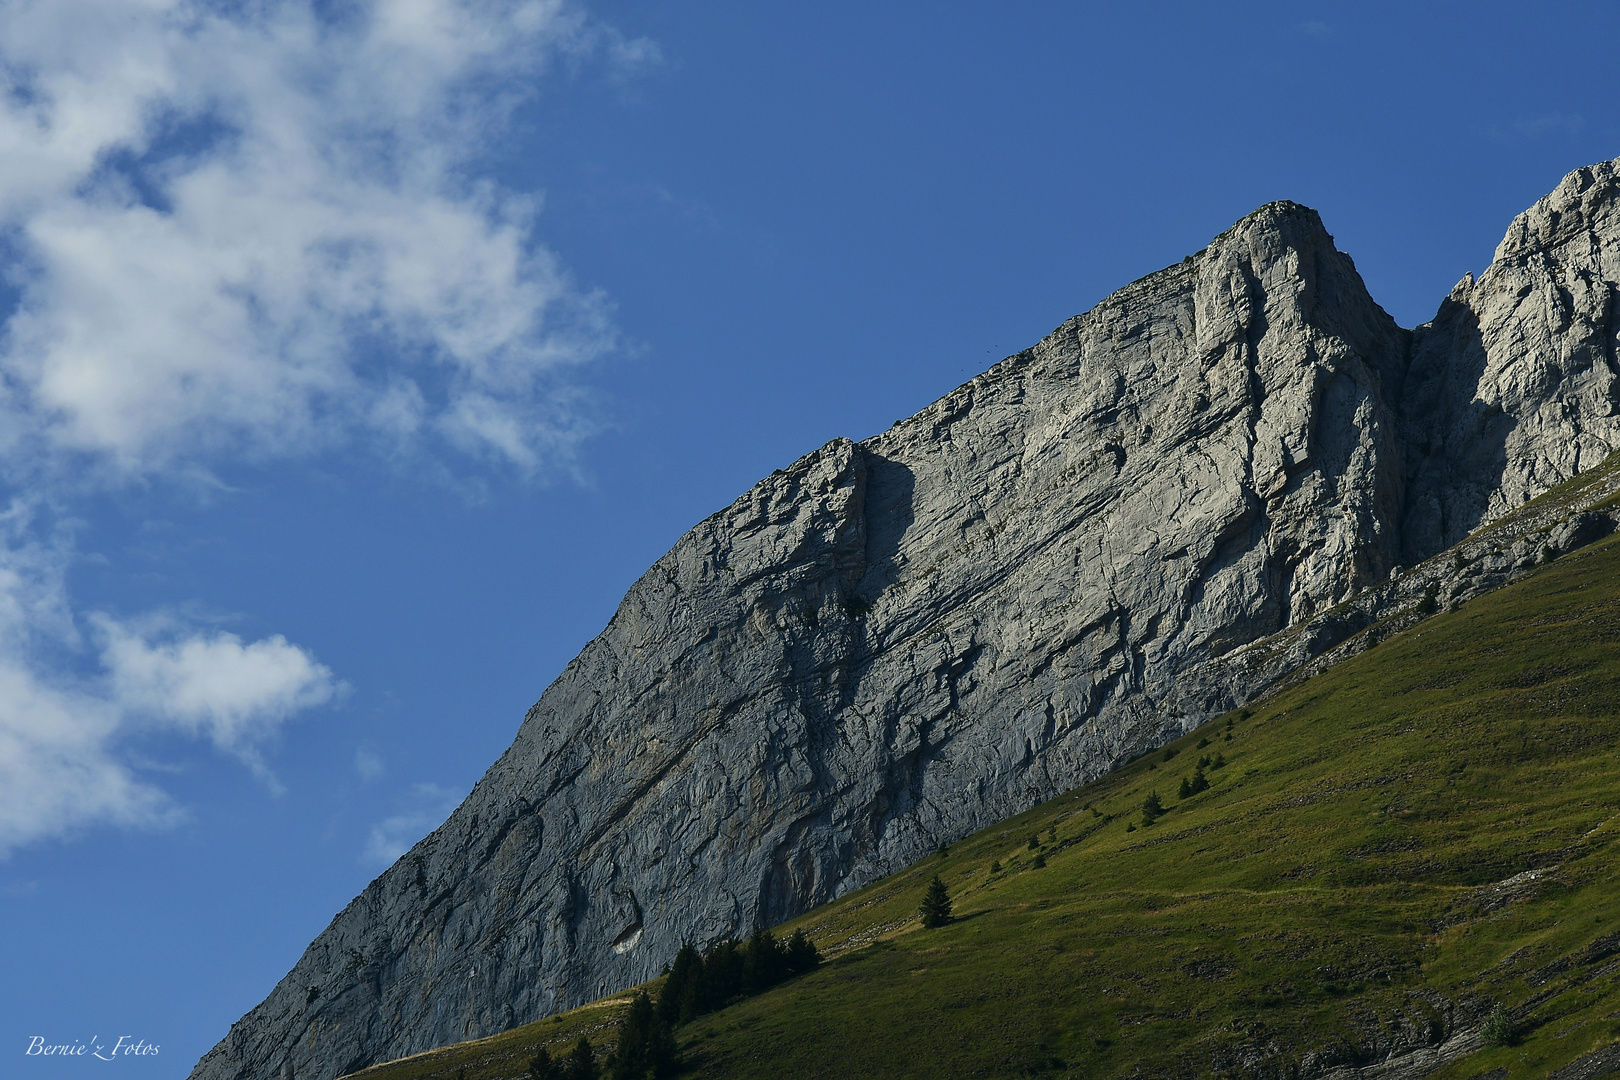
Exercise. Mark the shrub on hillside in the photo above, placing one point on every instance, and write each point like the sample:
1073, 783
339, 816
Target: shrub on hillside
1498, 1028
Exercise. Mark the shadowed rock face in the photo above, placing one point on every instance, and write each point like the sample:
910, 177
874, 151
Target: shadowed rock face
895, 642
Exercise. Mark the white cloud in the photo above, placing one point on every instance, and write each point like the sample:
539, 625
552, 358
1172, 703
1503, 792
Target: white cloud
368, 765
61, 729
210, 684
394, 836
253, 233
237, 231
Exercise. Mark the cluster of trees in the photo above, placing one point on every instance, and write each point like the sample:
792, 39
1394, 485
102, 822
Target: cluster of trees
697, 984
702, 984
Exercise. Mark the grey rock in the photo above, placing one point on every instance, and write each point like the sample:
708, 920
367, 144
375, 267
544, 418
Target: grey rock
1514, 387
1168, 506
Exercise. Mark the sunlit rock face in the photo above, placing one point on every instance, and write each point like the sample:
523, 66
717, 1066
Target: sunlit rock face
894, 642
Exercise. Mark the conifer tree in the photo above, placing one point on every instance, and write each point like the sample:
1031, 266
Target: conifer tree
936, 904
542, 1067
687, 966
646, 1044
764, 962
581, 1062
802, 954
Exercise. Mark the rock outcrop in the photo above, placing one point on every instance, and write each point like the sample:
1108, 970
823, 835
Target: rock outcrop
892, 643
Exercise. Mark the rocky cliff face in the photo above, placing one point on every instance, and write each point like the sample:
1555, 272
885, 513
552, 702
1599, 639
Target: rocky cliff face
1513, 387
895, 642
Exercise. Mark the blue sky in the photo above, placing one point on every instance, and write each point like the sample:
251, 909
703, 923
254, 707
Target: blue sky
358, 355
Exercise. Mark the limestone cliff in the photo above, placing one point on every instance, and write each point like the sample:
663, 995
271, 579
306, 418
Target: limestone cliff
892, 643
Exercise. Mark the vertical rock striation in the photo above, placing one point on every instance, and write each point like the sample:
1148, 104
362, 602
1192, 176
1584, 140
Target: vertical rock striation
892, 643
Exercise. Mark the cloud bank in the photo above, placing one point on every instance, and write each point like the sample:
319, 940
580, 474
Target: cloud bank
234, 232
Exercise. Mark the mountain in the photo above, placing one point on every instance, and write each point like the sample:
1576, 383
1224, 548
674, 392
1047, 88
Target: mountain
1086, 551
1375, 859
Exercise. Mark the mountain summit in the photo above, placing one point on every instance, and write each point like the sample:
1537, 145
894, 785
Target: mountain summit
892, 643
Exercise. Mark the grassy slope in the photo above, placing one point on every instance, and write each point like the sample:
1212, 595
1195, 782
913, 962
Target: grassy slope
1331, 890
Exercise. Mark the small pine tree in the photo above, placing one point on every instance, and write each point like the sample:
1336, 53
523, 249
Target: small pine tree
1219, 762
1203, 742
763, 964
802, 954
687, 966
1186, 789
1034, 841
936, 904
1130, 826
1040, 860
1170, 752
1152, 808
995, 866
1200, 782
646, 1044
581, 1061
542, 1067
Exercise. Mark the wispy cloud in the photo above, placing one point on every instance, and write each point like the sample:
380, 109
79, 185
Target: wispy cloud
61, 727
368, 765
240, 232
1315, 29
253, 231
392, 837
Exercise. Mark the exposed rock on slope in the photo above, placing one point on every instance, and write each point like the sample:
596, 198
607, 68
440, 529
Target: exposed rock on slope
892, 643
